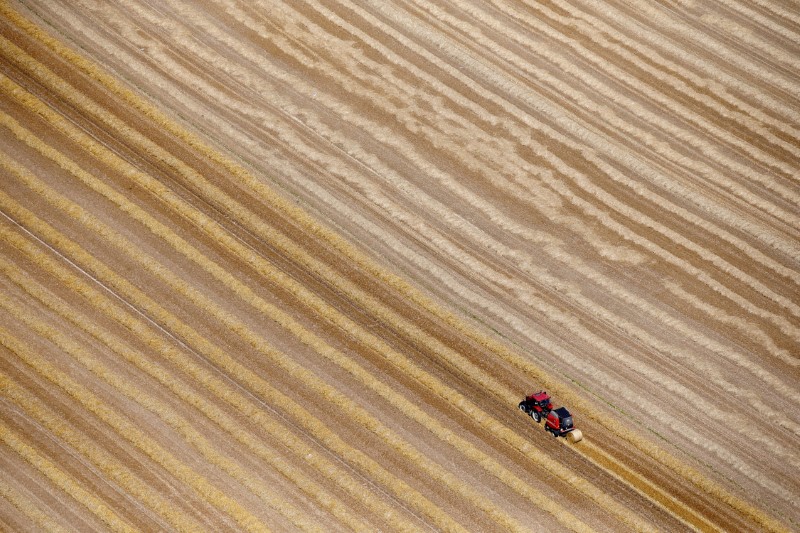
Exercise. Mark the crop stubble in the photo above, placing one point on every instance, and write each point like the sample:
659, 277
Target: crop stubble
750, 217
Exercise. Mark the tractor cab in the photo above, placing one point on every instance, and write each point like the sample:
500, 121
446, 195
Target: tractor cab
542, 399
537, 405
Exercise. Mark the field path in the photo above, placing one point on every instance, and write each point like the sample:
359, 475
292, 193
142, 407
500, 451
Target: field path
290, 266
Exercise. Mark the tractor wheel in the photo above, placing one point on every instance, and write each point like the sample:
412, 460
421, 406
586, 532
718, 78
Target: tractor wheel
522, 407
536, 417
575, 436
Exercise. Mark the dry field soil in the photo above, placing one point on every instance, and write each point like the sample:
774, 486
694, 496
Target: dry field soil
291, 266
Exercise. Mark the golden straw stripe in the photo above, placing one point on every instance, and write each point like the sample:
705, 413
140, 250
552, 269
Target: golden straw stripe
649, 490
108, 465
126, 429
27, 507
343, 246
335, 397
593, 211
211, 382
375, 471
165, 413
61, 479
588, 489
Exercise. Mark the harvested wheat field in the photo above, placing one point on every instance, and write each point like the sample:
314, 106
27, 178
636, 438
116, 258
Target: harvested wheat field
292, 265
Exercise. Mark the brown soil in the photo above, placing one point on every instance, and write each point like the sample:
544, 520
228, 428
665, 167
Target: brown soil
292, 265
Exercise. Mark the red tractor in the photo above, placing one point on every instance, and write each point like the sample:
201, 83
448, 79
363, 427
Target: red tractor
558, 422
